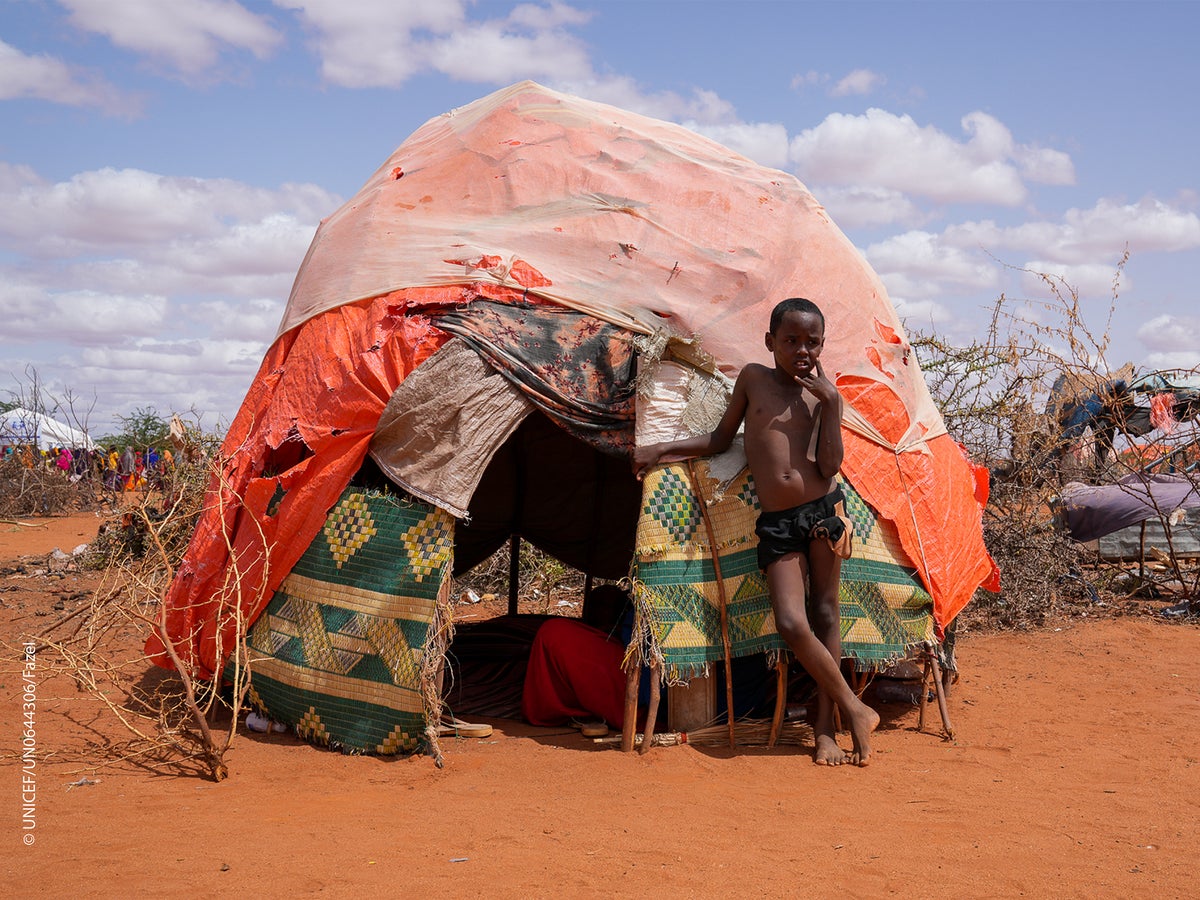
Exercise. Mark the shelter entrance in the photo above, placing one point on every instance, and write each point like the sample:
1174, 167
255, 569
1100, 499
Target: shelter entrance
541, 485
566, 498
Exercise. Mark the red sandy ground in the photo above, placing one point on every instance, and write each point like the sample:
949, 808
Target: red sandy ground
1073, 774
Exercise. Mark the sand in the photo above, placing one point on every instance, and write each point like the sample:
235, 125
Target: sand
1072, 774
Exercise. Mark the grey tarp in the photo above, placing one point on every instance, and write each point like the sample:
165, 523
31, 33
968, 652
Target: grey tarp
1090, 511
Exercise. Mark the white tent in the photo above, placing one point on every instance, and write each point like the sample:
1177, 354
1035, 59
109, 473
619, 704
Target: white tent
24, 426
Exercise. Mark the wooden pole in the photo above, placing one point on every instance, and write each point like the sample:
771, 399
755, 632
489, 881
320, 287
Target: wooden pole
652, 712
629, 727
924, 689
724, 601
781, 668
514, 572
1142, 555
941, 695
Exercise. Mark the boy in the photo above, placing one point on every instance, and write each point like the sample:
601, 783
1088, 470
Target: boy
793, 441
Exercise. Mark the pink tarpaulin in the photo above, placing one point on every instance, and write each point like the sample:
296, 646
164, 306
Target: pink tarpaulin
536, 195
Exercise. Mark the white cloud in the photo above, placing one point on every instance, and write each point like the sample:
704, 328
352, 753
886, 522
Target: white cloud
111, 211
807, 79
1102, 231
189, 36
1171, 334
868, 207
533, 41
550, 15
1045, 166
1187, 360
764, 142
80, 317
702, 109
860, 81
884, 150
43, 77
254, 320
918, 315
930, 265
496, 52
1092, 280
127, 272
173, 358
378, 43
1149, 224
210, 376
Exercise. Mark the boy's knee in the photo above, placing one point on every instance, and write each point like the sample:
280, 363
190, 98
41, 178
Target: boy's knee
824, 611
791, 627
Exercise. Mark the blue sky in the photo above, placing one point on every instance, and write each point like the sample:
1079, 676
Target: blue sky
164, 163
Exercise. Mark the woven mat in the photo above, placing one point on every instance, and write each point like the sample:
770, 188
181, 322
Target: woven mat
340, 650
885, 609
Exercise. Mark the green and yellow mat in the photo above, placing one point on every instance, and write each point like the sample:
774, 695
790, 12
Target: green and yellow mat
342, 652
885, 609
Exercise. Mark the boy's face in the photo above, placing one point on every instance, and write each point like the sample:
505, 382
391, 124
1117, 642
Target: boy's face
797, 343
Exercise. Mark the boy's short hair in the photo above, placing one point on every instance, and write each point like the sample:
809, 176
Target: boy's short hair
794, 304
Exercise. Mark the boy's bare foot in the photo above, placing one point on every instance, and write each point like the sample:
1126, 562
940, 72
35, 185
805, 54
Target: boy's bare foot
862, 723
828, 753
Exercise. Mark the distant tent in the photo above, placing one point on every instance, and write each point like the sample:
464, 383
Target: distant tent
28, 428
531, 285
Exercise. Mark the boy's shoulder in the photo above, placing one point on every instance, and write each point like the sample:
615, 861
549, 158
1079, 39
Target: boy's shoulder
755, 372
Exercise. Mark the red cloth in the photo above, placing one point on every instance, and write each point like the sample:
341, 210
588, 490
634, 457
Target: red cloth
574, 673
1162, 412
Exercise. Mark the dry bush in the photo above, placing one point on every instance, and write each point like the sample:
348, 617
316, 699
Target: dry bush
997, 396
542, 580
171, 716
38, 491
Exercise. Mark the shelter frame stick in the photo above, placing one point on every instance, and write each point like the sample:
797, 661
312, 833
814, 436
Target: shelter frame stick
781, 669
941, 694
514, 540
629, 727
1142, 554
514, 572
721, 596
651, 712
925, 672
933, 668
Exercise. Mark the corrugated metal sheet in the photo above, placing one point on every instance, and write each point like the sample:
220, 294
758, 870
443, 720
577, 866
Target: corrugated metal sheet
1126, 544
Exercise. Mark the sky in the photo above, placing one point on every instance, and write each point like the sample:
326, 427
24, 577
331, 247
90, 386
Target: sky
164, 163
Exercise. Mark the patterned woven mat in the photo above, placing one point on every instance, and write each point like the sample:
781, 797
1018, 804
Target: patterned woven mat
885, 609
339, 652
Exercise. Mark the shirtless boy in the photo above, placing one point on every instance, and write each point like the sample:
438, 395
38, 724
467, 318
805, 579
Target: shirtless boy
793, 441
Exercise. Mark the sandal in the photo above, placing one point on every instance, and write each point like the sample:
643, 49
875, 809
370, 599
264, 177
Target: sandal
592, 728
459, 728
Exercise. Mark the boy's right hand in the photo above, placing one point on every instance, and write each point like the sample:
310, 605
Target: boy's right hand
644, 459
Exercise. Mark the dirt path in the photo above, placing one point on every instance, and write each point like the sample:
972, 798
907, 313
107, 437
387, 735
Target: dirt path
1073, 774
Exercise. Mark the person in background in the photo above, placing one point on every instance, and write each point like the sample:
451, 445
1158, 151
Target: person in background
574, 674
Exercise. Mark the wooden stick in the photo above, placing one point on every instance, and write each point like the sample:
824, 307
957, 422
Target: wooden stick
941, 696
924, 688
652, 712
724, 600
629, 728
781, 668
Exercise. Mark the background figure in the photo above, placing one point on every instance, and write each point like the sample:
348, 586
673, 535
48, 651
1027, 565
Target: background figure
127, 469
574, 668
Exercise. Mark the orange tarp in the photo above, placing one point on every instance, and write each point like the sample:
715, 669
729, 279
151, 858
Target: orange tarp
320, 387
